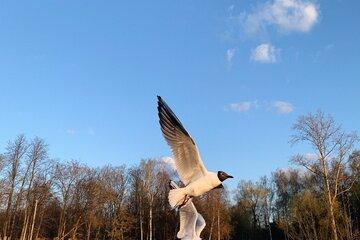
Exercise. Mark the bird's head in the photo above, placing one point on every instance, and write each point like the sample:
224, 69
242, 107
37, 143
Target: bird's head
223, 176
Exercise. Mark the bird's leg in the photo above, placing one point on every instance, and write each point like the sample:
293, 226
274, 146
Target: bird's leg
186, 199
178, 205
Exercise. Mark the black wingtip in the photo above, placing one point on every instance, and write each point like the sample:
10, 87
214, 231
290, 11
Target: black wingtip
163, 107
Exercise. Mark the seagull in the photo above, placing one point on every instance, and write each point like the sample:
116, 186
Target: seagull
188, 163
191, 222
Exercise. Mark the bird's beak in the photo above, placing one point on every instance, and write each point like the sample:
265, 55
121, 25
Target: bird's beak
229, 176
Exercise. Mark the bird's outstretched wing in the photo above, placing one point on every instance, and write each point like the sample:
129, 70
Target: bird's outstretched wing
187, 159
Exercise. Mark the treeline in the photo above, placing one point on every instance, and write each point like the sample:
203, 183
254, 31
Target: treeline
319, 199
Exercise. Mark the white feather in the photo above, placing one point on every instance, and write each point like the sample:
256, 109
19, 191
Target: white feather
187, 159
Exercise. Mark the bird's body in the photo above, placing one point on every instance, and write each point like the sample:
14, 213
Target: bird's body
194, 189
189, 165
202, 185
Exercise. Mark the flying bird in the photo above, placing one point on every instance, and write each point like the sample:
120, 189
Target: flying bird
188, 163
191, 222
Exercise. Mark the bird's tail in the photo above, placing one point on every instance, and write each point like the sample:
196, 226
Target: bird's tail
177, 197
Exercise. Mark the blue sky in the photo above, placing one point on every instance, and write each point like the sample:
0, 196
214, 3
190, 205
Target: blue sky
84, 76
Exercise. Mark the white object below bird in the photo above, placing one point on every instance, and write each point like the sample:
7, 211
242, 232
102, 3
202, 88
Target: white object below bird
191, 222
188, 163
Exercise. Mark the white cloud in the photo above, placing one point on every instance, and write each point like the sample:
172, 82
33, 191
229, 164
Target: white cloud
169, 161
70, 131
230, 54
265, 53
267, 17
284, 15
282, 107
243, 106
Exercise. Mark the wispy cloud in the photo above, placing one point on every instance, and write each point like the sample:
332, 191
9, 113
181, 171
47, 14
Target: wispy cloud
242, 106
329, 46
285, 15
265, 53
318, 55
230, 54
282, 107
70, 131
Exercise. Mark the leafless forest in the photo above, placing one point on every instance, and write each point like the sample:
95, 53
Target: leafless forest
317, 199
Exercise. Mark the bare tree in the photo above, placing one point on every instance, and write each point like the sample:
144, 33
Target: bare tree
268, 195
332, 146
150, 186
41, 198
42, 193
2, 181
306, 221
253, 197
67, 177
137, 198
115, 181
214, 208
2, 162
14, 154
37, 153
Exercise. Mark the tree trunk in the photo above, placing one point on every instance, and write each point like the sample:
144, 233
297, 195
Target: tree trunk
333, 223
218, 224
150, 219
212, 226
329, 198
8, 207
61, 229
141, 221
88, 231
33, 222
40, 223
268, 217
25, 226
